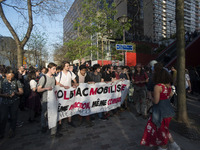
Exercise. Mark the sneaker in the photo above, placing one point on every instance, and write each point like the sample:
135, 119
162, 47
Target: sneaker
57, 135
145, 117
1, 137
31, 120
19, 124
59, 127
11, 134
174, 146
80, 123
44, 129
160, 148
138, 115
72, 124
103, 119
89, 124
92, 118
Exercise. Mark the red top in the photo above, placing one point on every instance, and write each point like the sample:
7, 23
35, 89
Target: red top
138, 77
165, 92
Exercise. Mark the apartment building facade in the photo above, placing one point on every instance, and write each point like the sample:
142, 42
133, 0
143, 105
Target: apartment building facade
8, 49
69, 20
155, 19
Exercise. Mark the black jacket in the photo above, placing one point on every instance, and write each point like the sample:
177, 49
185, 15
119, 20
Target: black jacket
87, 78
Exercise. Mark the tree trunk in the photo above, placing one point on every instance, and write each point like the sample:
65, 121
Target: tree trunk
102, 51
20, 44
20, 55
182, 108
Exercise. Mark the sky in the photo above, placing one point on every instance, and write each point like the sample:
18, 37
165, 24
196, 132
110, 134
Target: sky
53, 28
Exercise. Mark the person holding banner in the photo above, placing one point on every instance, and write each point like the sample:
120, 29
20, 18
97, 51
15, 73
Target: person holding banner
83, 77
96, 77
47, 83
64, 79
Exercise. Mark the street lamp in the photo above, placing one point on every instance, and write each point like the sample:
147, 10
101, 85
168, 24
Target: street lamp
123, 20
170, 21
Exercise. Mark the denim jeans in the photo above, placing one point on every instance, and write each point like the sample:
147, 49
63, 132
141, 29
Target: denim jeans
8, 109
140, 100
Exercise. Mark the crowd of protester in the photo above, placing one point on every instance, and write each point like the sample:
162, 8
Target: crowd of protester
27, 90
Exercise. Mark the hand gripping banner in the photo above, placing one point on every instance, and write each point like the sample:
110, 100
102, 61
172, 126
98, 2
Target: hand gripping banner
85, 100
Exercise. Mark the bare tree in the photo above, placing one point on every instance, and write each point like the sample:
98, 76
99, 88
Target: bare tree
182, 108
59, 53
36, 45
8, 51
30, 7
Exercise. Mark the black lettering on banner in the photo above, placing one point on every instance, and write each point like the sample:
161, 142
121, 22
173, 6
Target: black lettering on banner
95, 103
119, 88
103, 103
62, 108
100, 90
112, 89
84, 92
58, 94
105, 90
71, 94
99, 103
78, 92
59, 107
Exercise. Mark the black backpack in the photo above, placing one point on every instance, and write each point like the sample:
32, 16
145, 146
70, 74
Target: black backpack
45, 81
27, 88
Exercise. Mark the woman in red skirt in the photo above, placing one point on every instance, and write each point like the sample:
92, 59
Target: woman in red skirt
156, 132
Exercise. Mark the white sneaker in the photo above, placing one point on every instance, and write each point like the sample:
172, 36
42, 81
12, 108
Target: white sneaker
174, 146
160, 148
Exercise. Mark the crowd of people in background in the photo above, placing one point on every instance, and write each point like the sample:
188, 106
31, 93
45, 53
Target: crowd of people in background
27, 89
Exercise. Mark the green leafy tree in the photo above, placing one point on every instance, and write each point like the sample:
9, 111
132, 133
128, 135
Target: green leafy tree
36, 44
97, 21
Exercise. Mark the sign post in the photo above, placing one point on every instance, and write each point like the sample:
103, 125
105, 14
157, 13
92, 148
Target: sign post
125, 48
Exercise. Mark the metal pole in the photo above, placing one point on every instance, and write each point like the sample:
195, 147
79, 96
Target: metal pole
124, 42
170, 21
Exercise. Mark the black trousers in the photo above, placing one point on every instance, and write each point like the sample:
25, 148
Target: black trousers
12, 110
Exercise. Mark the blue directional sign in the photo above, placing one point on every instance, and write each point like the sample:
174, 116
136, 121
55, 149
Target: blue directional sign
124, 47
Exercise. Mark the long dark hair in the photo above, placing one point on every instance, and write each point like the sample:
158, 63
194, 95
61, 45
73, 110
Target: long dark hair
161, 75
142, 71
31, 75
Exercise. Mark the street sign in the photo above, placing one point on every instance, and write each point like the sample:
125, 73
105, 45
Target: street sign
124, 47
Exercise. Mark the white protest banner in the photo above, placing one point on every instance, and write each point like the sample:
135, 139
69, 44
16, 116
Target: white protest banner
86, 99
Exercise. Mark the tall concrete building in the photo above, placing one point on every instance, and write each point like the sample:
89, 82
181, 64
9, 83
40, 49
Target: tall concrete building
8, 49
69, 20
74, 12
155, 19
133, 9
71, 17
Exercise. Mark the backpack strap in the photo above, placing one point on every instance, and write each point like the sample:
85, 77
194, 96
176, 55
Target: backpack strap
70, 73
60, 76
16, 84
45, 81
60, 73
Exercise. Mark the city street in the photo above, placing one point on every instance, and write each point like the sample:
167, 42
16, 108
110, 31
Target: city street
122, 132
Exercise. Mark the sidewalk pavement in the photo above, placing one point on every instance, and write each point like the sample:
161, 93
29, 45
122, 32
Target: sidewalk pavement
122, 132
